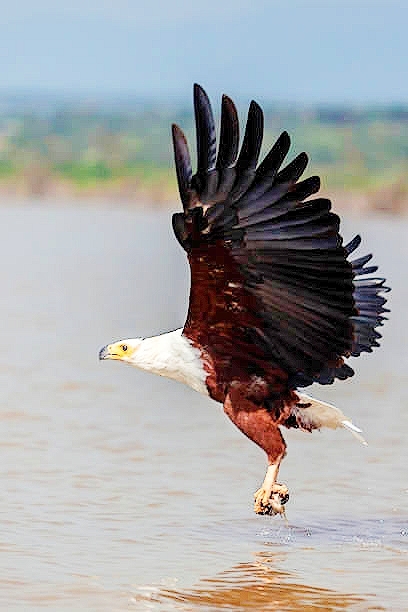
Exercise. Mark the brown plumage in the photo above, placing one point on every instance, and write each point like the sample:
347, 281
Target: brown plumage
275, 303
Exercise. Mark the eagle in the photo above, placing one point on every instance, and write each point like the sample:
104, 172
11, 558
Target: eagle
276, 303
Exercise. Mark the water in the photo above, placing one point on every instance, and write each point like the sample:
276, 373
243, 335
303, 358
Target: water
124, 491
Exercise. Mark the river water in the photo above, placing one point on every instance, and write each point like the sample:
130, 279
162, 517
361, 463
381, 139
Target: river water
124, 491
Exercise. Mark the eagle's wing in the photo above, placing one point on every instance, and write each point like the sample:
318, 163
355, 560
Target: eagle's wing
270, 279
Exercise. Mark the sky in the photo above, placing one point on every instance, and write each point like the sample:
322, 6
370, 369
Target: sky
298, 51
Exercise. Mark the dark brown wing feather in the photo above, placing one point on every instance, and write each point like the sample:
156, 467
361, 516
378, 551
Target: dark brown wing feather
270, 278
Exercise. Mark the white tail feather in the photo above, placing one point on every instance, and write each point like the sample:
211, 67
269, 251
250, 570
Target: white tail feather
356, 431
320, 414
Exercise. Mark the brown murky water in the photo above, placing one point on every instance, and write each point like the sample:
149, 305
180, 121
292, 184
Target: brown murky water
123, 491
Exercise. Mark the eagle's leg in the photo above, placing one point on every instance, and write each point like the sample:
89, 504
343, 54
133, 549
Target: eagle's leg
271, 496
260, 426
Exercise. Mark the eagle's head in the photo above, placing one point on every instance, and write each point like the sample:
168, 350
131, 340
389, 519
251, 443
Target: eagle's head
123, 350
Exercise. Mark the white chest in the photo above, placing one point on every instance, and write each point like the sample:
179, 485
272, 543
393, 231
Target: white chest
172, 355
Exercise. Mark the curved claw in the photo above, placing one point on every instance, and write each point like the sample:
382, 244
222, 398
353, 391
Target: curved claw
284, 499
271, 502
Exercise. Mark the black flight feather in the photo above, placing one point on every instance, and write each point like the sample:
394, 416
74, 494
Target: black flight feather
296, 294
206, 139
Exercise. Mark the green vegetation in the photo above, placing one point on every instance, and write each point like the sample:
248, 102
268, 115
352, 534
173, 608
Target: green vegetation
126, 146
83, 173
6, 168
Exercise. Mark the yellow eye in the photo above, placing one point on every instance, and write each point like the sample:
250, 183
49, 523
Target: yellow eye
124, 347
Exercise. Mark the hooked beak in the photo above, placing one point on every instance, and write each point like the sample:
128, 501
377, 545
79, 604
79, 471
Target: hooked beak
105, 353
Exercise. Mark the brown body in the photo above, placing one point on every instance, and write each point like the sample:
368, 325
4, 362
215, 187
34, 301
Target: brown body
257, 422
241, 375
274, 304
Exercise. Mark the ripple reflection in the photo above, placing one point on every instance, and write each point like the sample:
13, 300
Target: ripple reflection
257, 585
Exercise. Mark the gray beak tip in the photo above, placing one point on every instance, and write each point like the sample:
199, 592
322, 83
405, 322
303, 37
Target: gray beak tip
103, 353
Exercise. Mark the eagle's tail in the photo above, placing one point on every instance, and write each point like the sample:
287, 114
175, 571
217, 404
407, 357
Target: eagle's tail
310, 413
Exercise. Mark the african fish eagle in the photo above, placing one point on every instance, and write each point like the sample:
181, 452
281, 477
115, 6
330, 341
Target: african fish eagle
275, 302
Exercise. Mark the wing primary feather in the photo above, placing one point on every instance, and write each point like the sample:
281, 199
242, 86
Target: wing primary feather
361, 261
259, 203
246, 209
274, 159
294, 170
206, 139
307, 243
229, 136
361, 271
183, 164
304, 189
251, 146
245, 166
315, 227
353, 244
303, 213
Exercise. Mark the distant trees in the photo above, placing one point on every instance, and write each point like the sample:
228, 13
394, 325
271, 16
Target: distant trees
90, 143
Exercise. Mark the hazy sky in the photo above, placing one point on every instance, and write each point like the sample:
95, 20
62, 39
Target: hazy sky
286, 50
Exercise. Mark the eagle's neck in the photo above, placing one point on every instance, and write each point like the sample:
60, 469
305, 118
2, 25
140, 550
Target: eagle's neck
172, 355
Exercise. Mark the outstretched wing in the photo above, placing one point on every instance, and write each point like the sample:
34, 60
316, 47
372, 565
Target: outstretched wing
270, 279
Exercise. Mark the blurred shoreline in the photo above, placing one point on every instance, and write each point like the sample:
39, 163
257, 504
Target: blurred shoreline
53, 149
389, 199
48, 189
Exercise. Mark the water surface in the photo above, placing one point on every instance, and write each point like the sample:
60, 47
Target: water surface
121, 490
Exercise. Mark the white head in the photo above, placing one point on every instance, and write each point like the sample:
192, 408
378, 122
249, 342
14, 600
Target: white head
123, 350
171, 355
